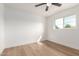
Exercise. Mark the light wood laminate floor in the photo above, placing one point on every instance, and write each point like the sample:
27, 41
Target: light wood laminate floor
45, 48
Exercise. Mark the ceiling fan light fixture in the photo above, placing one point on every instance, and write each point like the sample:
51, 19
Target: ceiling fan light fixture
48, 4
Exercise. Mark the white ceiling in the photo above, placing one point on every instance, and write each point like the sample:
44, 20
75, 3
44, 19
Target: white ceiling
30, 7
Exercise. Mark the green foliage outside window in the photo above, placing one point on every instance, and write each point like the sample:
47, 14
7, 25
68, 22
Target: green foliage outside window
68, 26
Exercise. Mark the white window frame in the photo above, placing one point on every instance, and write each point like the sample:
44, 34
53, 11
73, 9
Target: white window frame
63, 23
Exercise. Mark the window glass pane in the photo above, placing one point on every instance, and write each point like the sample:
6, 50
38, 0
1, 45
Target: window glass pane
70, 21
59, 23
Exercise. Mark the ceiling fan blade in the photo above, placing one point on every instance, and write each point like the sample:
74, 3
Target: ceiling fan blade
46, 8
57, 4
39, 4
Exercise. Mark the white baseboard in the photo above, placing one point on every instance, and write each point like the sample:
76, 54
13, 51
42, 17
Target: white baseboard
1, 50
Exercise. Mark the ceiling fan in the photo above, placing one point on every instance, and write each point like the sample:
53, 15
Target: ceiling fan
48, 5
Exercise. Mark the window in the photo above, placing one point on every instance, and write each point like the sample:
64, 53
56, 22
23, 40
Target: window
70, 22
59, 23
66, 22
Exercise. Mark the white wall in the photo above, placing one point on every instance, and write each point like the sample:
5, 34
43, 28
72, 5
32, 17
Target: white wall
21, 27
68, 37
1, 27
